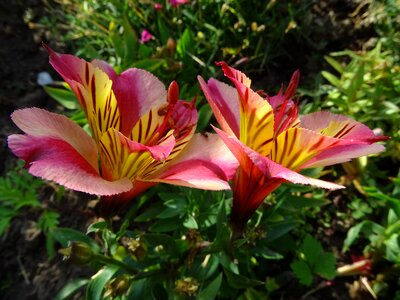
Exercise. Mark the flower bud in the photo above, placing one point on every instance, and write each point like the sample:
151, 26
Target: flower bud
78, 253
118, 286
186, 286
171, 46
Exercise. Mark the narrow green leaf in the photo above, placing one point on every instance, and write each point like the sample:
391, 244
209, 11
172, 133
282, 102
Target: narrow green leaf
332, 79
71, 288
66, 235
211, 291
65, 97
239, 281
98, 282
334, 63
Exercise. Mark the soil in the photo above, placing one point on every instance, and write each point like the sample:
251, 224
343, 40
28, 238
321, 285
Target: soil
27, 273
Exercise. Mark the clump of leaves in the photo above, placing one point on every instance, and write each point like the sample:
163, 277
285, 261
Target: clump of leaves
313, 260
18, 189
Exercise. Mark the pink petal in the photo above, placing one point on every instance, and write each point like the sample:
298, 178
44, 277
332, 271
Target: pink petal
269, 168
137, 91
342, 154
224, 102
339, 126
257, 177
56, 160
204, 163
41, 123
158, 152
106, 68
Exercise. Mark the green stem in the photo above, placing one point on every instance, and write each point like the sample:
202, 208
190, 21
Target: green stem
108, 260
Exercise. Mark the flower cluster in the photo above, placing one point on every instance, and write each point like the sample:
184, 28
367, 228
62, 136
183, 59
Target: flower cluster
143, 134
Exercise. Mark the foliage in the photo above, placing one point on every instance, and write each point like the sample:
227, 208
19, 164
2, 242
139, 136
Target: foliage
18, 190
366, 88
313, 260
187, 40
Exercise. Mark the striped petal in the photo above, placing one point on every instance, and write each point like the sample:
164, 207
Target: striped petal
258, 176
122, 157
56, 160
41, 123
339, 126
223, 100
256, 114
93, 88
205, 163
137, 92
296, 146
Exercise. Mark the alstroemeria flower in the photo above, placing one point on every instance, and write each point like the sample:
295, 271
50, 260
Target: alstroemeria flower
141, 135
272, 144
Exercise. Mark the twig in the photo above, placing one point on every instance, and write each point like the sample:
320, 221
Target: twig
23, 271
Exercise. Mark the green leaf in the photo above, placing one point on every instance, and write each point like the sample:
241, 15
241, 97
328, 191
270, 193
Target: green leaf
130, 42
70, 288
356, 83
190, 222
211, 291
205, 114
98, 282
149, 64
312, 250
155, 239
239, 281
334, 63
163, 30
326, 266
48, 220
332, 79
185, 43
63, 96
278, 229
302, 272
66, 235
165, 225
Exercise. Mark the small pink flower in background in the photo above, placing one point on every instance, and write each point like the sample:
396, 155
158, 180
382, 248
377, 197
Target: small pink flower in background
158, 6
176, 3
145, 36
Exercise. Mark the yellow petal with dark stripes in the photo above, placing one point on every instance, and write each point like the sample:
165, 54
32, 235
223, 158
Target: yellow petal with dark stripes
256, 121
145, 128
294, 147
98, 101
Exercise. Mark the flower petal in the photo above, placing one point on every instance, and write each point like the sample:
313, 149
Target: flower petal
41, 123
122, 157
223, 100
56, 160
205, 163
93, 88
256, 114
339, 126
257, 177
137, 92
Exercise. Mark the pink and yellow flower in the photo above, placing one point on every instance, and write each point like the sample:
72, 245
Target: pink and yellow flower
272, 144
142, 135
